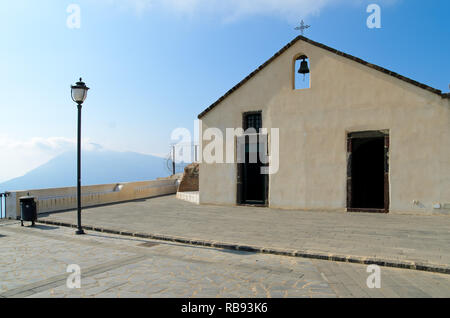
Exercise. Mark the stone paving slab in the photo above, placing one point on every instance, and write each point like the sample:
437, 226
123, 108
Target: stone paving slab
407, 239
164, 270
118, 266
49, 256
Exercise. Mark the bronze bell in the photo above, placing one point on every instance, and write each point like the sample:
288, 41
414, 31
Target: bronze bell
304, 69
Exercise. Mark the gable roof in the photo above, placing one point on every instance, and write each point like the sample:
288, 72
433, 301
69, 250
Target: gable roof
322, 46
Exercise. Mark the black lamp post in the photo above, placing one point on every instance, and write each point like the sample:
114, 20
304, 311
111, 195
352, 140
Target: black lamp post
79, 94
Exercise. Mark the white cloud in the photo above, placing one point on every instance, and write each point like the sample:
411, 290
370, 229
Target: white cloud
20, 156
230, 10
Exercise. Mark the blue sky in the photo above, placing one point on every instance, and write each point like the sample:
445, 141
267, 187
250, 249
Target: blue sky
154, 65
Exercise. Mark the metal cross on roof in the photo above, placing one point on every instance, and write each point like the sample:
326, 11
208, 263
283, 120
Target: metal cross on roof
302, 27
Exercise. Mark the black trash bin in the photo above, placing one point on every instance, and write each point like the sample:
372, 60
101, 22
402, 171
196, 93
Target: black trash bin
28, 211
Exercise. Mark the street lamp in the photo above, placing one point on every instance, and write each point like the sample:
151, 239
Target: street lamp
79, 94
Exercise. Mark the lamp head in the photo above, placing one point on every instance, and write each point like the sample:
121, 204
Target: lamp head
79, 92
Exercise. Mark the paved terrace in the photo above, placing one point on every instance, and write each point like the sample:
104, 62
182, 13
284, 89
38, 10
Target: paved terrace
34, 263
416, 238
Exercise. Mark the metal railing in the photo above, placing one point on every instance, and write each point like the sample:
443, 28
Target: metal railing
3, 197
181, 155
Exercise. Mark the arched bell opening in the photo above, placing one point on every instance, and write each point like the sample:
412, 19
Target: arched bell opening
302, 72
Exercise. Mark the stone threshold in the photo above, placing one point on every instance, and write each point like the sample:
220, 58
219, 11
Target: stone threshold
411, 265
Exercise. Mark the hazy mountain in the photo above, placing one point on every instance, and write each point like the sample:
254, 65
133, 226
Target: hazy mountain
98, 167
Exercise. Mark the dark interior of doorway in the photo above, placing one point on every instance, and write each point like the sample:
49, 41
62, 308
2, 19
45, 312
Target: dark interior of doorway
252, 184
368, 173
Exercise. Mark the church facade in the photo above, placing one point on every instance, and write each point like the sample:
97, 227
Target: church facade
353, 136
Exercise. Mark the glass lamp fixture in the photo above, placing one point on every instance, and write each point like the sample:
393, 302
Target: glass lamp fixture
79, 92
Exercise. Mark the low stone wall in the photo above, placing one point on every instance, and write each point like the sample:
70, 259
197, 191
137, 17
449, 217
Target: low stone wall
60, 199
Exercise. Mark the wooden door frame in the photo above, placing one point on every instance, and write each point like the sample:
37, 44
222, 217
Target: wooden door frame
368, 134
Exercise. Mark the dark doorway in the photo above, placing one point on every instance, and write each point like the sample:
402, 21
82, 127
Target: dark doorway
252, 184
368, 175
